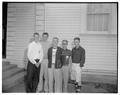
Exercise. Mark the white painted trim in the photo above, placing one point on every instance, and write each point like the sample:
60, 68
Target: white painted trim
98, 33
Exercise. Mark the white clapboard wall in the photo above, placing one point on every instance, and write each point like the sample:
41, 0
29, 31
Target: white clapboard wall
21, 25
67, 21
40, 18
64, 20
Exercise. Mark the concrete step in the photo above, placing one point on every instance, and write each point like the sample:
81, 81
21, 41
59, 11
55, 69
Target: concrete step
11, 72
5, 62
19, 88
8, 67
12, 81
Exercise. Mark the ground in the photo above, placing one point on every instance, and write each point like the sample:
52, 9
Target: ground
86, 88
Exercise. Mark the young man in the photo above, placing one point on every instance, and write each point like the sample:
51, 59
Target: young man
54, 66
35, 56
66, 62
78, 60
44, 65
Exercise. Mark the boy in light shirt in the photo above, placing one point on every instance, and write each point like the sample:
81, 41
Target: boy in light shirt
35, 57
44, 65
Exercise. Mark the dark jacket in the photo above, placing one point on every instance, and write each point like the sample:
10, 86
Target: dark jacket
78, 56
66, 54
58, 63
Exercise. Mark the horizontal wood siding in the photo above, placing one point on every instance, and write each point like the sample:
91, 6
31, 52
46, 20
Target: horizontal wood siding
20, 28
67, 21
40, 18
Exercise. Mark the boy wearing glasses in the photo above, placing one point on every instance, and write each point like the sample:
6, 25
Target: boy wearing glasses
66, 59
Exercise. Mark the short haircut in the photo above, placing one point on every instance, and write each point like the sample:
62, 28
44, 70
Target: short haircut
77, 38
45, 33
35, 34
56, 38
65, 41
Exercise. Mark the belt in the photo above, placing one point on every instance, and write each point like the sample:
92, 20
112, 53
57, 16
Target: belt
76, 63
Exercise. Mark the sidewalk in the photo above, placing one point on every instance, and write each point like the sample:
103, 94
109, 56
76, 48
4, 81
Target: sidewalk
86, 88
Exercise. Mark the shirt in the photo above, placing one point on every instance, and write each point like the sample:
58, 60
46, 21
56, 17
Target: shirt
35, 51
66, 54
54, 55
78, 55
46, 46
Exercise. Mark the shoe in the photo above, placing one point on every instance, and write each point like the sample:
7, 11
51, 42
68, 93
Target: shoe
97, 85
72, 81
76, 85
39, 91
45, 91
78, 89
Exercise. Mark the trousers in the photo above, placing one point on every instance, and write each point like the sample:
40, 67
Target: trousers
55, 79
32, 77
43, 74
65, 76
76, 73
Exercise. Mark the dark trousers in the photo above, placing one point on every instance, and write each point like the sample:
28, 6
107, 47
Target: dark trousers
32, 77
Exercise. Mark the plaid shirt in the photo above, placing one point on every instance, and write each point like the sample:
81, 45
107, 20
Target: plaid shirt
65, 56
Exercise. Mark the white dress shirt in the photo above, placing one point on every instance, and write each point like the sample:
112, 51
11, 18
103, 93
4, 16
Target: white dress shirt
54, 55
35, 51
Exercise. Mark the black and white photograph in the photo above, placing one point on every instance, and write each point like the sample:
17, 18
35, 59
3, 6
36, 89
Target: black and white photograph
59, 47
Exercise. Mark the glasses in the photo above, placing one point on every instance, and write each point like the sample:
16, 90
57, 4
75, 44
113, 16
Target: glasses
64, 44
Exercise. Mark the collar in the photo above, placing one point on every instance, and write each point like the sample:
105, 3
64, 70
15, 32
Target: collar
36, 42
54, 48
65, 49
77, 48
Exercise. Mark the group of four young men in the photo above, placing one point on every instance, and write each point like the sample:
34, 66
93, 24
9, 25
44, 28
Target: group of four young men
51, 65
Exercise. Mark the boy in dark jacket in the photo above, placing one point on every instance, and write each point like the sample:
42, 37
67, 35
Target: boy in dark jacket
78, 60
54, 66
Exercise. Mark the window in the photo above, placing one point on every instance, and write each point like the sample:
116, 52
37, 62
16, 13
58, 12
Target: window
98, 16
97, 22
